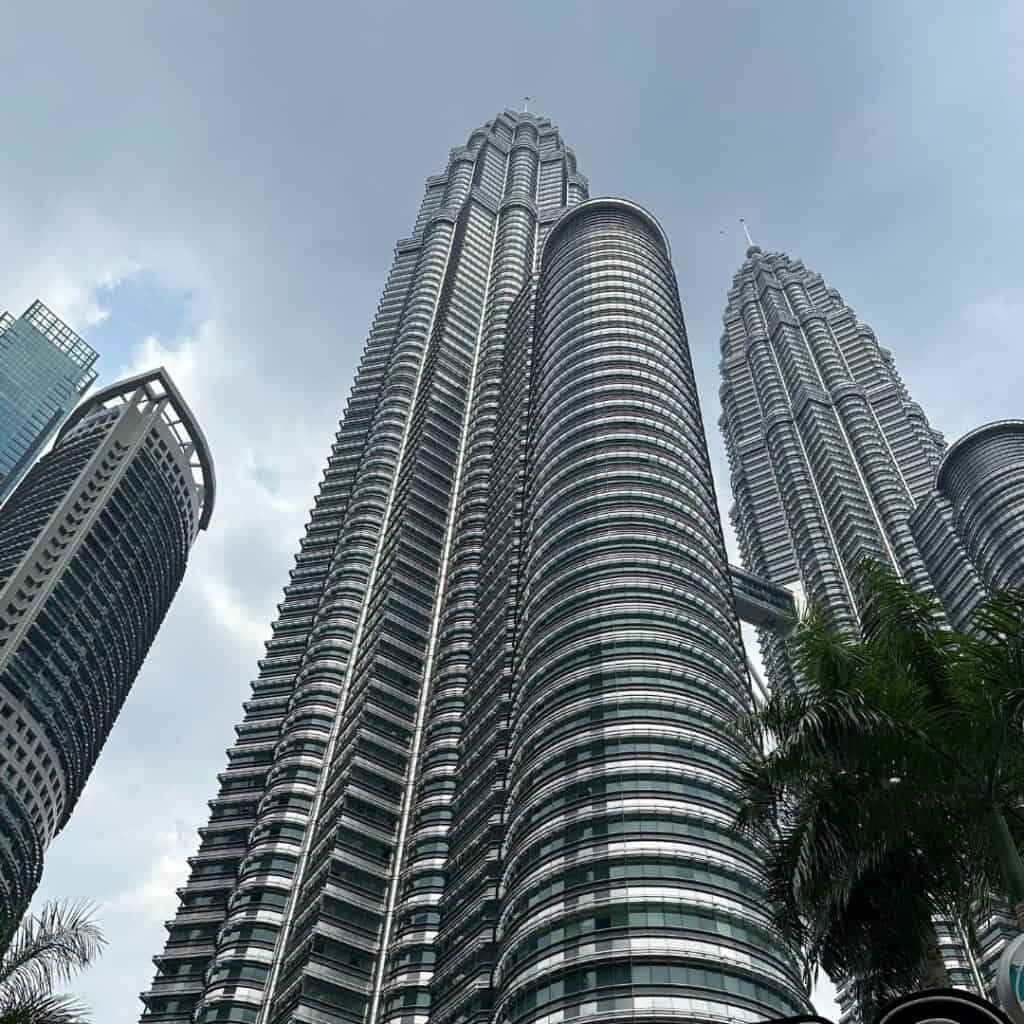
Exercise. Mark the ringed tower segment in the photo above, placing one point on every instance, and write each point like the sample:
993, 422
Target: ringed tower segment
982, 477
969, 528
623, 892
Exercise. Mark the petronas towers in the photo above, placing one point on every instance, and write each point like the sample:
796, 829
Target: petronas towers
487, 771
827, 451
832, 462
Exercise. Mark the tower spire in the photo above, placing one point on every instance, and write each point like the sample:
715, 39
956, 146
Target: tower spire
746, 231
526, 104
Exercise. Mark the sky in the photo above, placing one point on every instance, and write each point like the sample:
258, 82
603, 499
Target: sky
218, 188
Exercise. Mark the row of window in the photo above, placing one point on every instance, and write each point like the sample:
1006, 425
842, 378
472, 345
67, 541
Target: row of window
575, 982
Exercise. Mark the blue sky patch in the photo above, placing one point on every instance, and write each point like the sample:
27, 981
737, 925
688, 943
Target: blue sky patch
139, 306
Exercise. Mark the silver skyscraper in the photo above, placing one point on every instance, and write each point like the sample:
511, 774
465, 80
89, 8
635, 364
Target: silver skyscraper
828, 453
486, 773
831, 462
970, 528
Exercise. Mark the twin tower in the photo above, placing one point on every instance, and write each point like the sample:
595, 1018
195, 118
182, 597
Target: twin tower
487, 772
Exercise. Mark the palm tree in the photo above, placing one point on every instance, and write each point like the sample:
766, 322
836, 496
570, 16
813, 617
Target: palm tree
46, 950
891, 785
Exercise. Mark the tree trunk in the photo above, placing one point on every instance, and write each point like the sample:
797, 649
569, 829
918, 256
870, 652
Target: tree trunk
1010, 862
936, 975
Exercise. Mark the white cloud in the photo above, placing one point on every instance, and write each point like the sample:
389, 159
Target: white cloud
64, 260
995, 311
154, 896
229, 612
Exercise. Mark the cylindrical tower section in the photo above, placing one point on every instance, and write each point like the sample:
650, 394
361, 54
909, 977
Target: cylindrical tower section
982, 477
93, 546
624, 889
524, 158
460, 176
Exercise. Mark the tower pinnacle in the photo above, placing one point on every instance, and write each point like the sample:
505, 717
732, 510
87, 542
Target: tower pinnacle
752, 249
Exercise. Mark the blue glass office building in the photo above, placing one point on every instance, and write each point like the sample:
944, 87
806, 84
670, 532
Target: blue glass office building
44, 369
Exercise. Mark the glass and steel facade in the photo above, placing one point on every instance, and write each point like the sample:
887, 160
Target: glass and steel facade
970, 530
486, 770
93, 545
973, 518
832, 461
44, 369
828, 453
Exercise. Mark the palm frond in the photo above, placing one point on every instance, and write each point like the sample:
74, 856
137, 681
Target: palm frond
904, 630
50, 947
868, 796
881, 946
991, 657
41, 1009
822, 652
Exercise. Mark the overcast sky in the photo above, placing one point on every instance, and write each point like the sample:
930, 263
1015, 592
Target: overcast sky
218, 187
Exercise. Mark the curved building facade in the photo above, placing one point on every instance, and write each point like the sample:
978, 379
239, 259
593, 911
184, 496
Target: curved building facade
492, 721
970, 527
93, 545
624, 891
982, 478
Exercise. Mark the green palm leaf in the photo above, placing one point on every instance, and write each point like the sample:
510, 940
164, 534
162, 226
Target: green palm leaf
46, 951
880, 773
